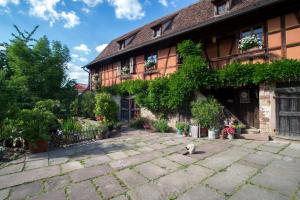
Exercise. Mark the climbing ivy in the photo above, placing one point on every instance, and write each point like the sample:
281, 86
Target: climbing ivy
168, 94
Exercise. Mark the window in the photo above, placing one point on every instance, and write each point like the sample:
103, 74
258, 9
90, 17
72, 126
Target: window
221, 8
128, 66
163, 27
258, 31
150, 61
157, 31
124, 43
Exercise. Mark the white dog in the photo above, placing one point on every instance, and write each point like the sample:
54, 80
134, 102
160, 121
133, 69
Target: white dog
190, 148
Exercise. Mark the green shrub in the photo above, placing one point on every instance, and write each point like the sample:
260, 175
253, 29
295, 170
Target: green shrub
182, 126
137, 123
207, 113
70, 125
161, 125
87, 104
106, 107
35, 125
49, 105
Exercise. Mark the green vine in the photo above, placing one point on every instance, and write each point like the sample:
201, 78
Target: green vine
168, 94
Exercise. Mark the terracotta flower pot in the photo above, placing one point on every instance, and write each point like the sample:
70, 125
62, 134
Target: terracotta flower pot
203, 132
39, 146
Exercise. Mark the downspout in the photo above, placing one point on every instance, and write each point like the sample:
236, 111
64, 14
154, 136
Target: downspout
88, 71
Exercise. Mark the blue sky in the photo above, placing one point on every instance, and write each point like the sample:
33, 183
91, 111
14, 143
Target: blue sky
85, 26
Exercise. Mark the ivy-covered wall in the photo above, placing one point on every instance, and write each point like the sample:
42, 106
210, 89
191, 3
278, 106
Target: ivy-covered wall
171, 93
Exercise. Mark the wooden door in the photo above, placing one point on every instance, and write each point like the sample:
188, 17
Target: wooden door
129, 109
125, 109
288, 111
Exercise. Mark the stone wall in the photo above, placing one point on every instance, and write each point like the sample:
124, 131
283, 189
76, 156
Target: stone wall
267, 109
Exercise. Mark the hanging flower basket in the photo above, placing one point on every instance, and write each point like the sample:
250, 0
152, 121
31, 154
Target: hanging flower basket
250, 42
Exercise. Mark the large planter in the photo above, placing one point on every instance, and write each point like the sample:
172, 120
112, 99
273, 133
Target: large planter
39, 146
179, 131
203, 132
194, 131
212, 134
230, 136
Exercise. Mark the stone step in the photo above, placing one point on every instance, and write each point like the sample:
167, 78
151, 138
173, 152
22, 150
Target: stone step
251, 131
255, 136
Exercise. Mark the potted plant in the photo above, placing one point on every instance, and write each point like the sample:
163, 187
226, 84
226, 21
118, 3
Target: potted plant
208, 114
161, 125
239, 128
186, 129
35, 126
179, 126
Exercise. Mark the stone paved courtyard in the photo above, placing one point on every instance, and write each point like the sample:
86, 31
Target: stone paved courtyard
151, 166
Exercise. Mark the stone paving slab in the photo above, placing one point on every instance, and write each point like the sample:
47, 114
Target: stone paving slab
28, 190
134, 160
201, 192
54, 195
57, 182
166, 164
71, 166
96, 161
117, 155
28, 176
223, 159
251, 192
281, 175
179, 181
11, 169
4, 194
292, 150
181, 159
131, 178
109, 186
36, 164
265, 170
90, 172
229, 180
83, 191
150, 171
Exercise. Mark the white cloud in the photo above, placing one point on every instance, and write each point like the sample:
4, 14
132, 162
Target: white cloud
82, 47
85, 10
101, 47
83, 59
77, 73
71, 19
163, 2
46, 9
74, 55
128, 9
4, 3
90, 3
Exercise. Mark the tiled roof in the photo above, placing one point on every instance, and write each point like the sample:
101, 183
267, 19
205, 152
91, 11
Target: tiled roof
185, 19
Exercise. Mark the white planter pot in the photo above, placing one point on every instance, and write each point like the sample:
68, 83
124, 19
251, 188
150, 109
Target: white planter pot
194, 131
212, 134
230, 136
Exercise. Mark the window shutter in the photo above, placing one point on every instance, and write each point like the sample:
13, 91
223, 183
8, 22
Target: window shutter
131, 65
119, 68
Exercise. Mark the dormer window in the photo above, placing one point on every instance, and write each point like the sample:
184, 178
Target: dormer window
221, 6
221, 9
157, 31
163, 27
124, 43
